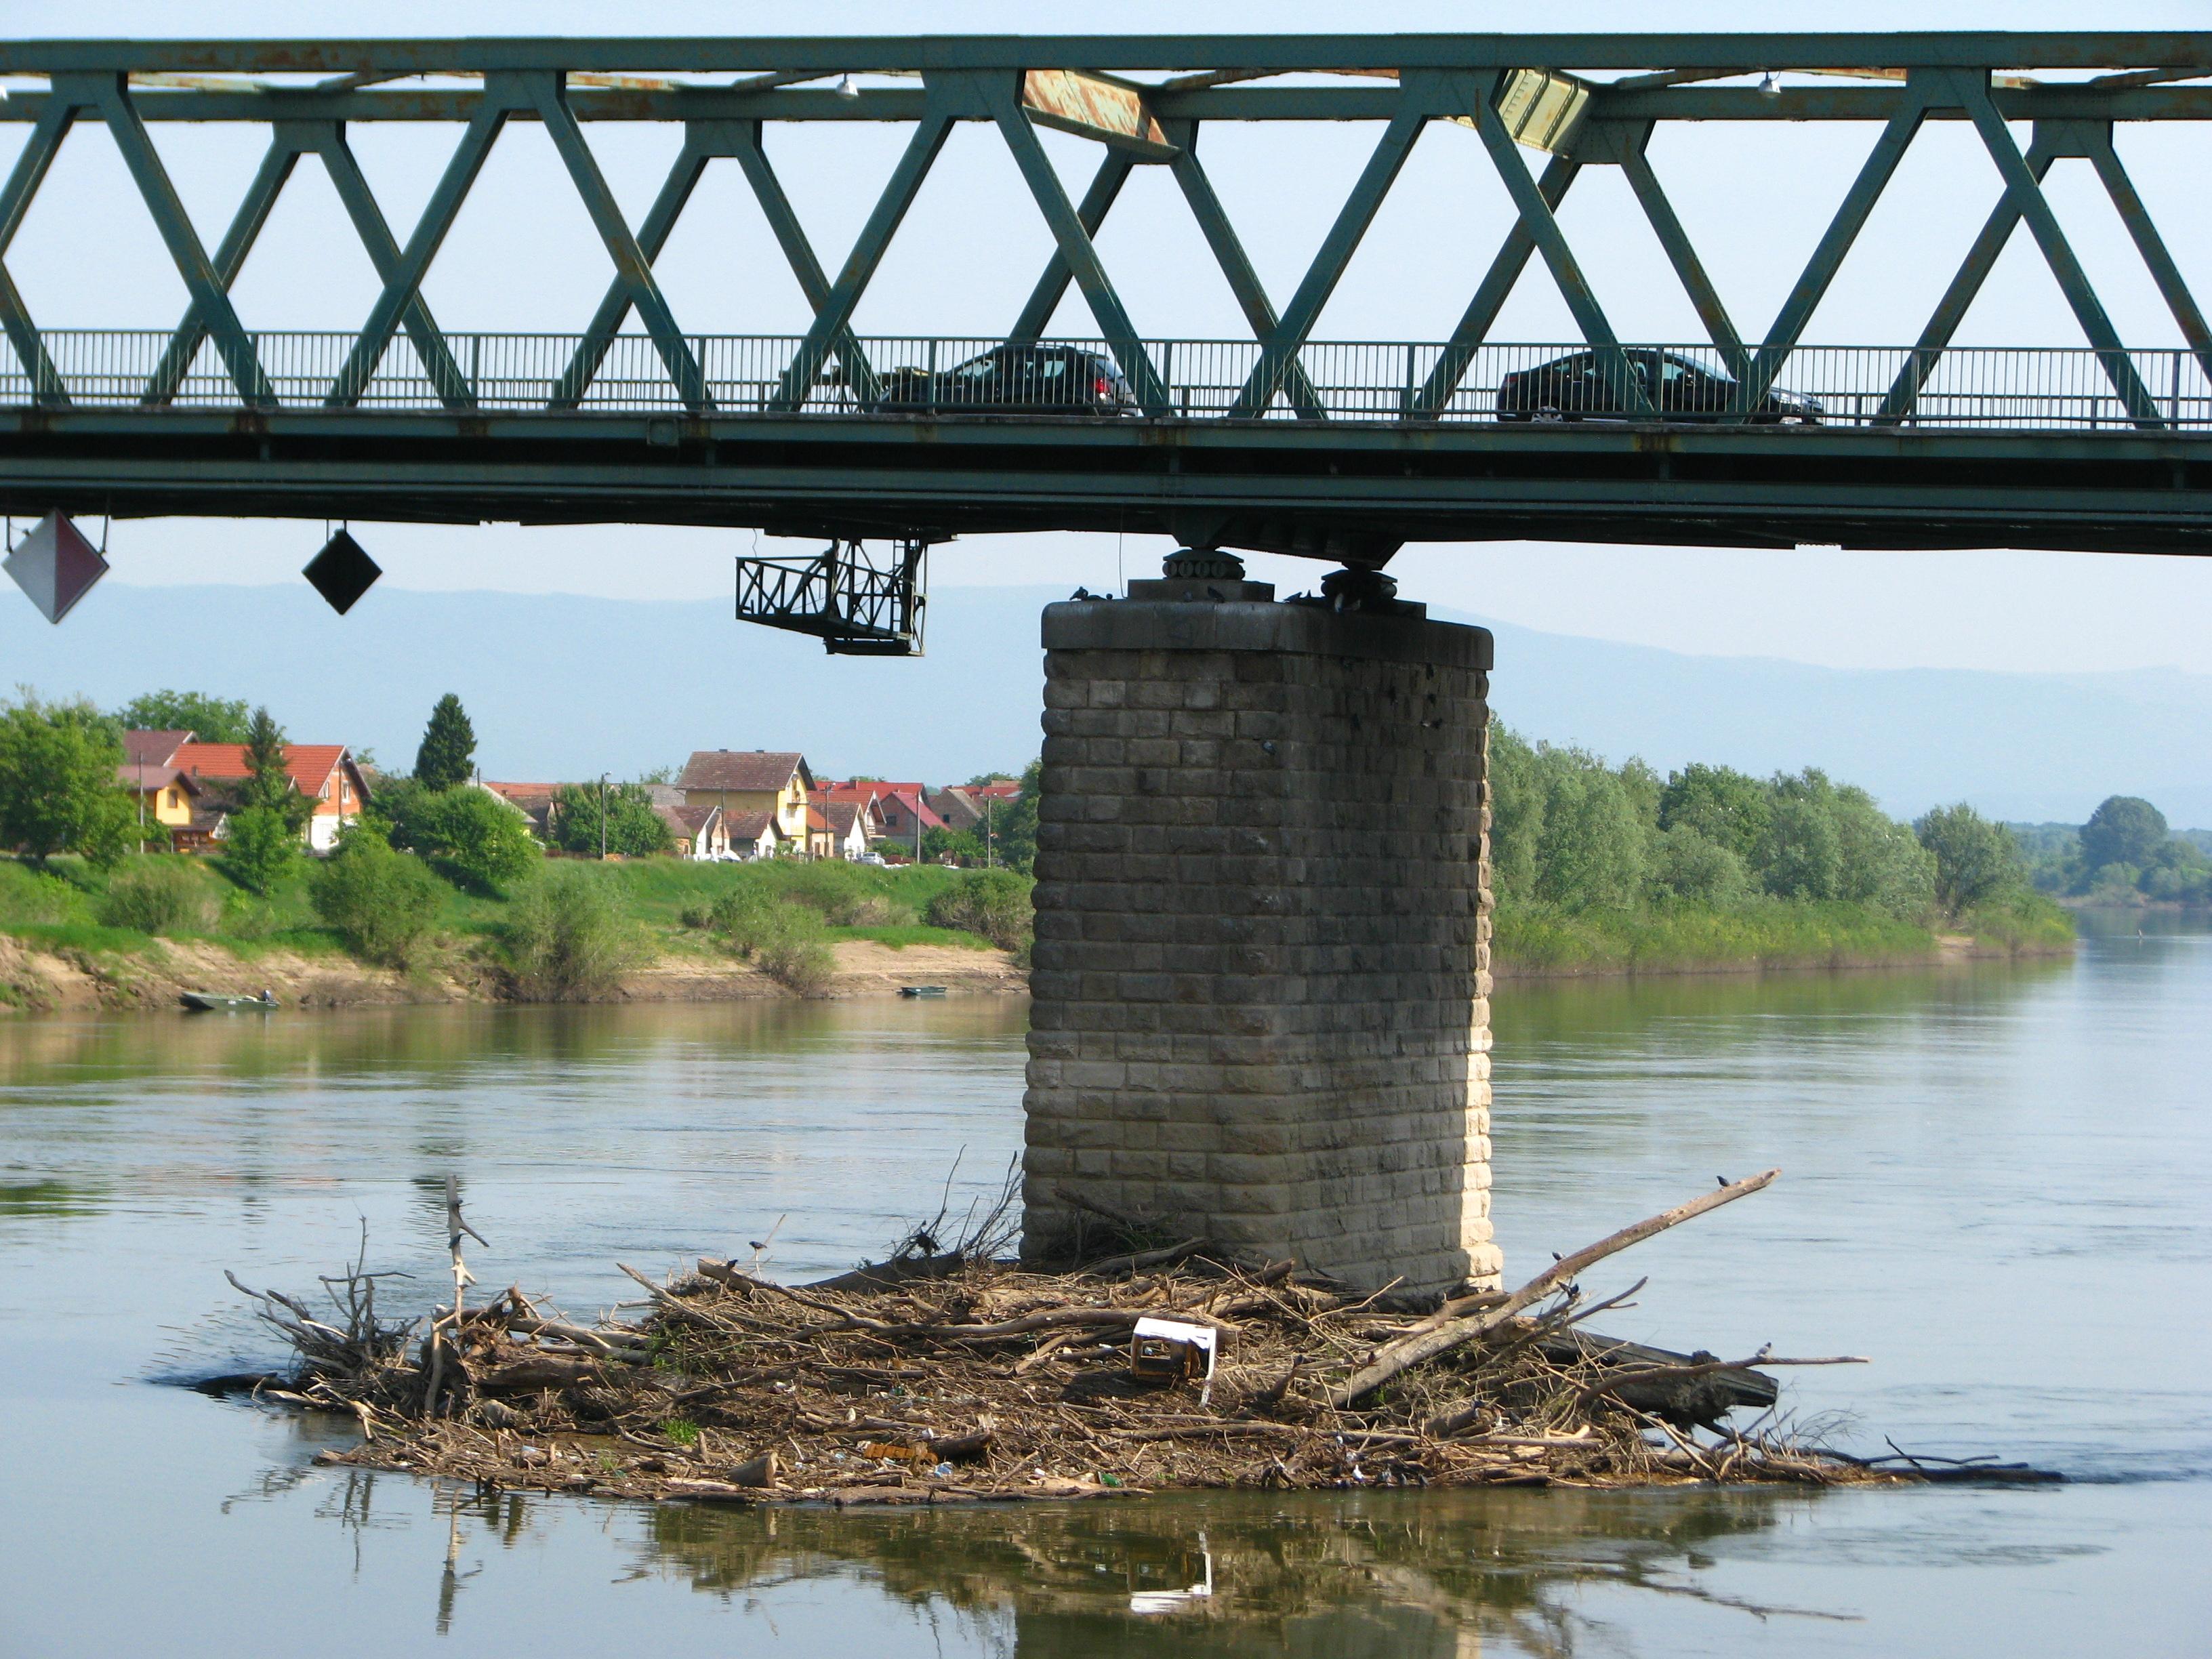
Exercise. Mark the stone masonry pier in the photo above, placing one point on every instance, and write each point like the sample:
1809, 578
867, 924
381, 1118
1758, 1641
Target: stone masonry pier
1261, 981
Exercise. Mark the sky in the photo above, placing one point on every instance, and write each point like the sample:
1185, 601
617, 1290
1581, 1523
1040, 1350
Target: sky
522, 257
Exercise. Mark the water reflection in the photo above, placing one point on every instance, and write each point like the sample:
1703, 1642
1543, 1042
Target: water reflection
1392, 1576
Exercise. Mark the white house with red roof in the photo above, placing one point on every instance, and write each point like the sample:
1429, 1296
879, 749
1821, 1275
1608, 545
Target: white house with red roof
324, 773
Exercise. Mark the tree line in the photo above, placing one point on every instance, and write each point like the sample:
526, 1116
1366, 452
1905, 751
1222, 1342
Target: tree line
2125, 854
1569, 831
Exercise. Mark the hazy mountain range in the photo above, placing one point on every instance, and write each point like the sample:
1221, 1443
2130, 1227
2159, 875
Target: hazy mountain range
567, 687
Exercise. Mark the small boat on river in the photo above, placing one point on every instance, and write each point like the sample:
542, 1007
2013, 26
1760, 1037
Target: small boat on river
211, 1002
921, 990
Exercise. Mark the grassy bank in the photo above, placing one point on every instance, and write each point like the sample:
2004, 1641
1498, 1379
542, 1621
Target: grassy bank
1534, 938
786, 920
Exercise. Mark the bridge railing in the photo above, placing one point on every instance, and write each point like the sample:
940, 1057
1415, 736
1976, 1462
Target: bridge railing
2013, 388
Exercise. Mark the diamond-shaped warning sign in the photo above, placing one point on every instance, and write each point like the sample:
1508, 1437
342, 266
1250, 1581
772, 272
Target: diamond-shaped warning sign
55, 565
342, 572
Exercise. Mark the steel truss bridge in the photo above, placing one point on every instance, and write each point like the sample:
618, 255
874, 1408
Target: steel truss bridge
1281, 442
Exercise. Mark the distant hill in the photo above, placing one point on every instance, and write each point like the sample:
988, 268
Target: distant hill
565, 687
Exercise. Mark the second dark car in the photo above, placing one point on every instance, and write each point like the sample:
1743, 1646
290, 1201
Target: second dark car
1011, 379
1679, 388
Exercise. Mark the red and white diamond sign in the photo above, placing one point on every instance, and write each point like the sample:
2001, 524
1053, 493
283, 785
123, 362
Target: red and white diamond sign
55, 565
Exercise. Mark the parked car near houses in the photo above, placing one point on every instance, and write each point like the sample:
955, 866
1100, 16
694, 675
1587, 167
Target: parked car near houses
1016, 379
1578, 387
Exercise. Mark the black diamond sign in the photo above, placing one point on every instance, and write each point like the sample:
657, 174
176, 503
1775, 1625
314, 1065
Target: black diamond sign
342, 572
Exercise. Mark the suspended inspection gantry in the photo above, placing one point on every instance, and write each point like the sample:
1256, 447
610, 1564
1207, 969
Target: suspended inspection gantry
1271, 464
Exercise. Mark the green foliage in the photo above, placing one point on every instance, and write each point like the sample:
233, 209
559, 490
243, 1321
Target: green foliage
1590, 846
1687, 868
267, 786
1729, 808
211, 720
477, 836
1976, 860
58, 781
1516, 813
1823, 841
1014, 825
260, 848
567, 938
1761, 933
448, 752
383, 903
960, 846
633, 828
2124, 830
164, 895
995, 903
2019, 920
786, 938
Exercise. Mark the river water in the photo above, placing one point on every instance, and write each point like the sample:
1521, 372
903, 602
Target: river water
1995, 1186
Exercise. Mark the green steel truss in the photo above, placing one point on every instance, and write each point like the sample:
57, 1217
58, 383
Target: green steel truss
1576, 101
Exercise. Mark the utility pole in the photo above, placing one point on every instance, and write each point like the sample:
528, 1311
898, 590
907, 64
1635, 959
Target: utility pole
603, 818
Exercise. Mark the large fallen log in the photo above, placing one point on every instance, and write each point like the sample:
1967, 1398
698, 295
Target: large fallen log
1396, 1357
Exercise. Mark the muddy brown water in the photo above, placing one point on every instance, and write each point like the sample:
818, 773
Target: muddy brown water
1997, 1185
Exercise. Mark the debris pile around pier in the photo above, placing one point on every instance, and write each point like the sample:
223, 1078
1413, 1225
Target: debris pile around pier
943, 1375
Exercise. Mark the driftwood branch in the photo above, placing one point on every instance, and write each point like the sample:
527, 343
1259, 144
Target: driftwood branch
1395, 1358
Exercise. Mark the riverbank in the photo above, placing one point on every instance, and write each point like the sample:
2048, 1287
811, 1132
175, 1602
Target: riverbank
694, 933
1536, 941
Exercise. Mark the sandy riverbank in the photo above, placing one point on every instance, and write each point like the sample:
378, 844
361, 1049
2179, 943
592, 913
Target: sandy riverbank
35, 980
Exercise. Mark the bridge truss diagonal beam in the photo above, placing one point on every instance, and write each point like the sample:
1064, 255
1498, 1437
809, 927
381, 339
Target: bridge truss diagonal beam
1492, 293
1114, 169
404, 283
1974, 93
277, 163
1674, 241
632, 269
1000, 98
835, 316
1551, 241
23, 182
2144, 231
330, 145
1228, 250
1828, 258
1959, 297
1352, 219
110, 95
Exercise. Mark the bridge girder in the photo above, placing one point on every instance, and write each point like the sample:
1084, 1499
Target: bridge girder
1584, 101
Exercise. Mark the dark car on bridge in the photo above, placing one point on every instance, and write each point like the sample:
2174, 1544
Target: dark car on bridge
1579, 387
1016, 379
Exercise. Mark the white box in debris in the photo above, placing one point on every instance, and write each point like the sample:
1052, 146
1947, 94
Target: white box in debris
1169, 1348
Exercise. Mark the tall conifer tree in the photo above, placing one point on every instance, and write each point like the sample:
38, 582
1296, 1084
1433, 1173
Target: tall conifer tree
449, 747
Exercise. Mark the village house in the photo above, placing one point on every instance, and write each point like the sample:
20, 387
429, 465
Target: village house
753, 835
959, 809
186, 786
697, 832
746, 781
906, 813
168, 795
537, 802
836, 829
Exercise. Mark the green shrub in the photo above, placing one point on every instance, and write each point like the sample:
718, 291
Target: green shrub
792, 947
477, 836
568, 939
384, 905
260, 849
995, 903
164, 895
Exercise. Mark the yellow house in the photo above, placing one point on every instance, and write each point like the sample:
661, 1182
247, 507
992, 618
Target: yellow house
746, 782
150, 771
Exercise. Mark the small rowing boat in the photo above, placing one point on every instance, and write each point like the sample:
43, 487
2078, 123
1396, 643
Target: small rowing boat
210, 1002
921, 990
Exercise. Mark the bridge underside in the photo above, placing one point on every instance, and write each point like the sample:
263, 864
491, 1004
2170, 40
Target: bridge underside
1353, 492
